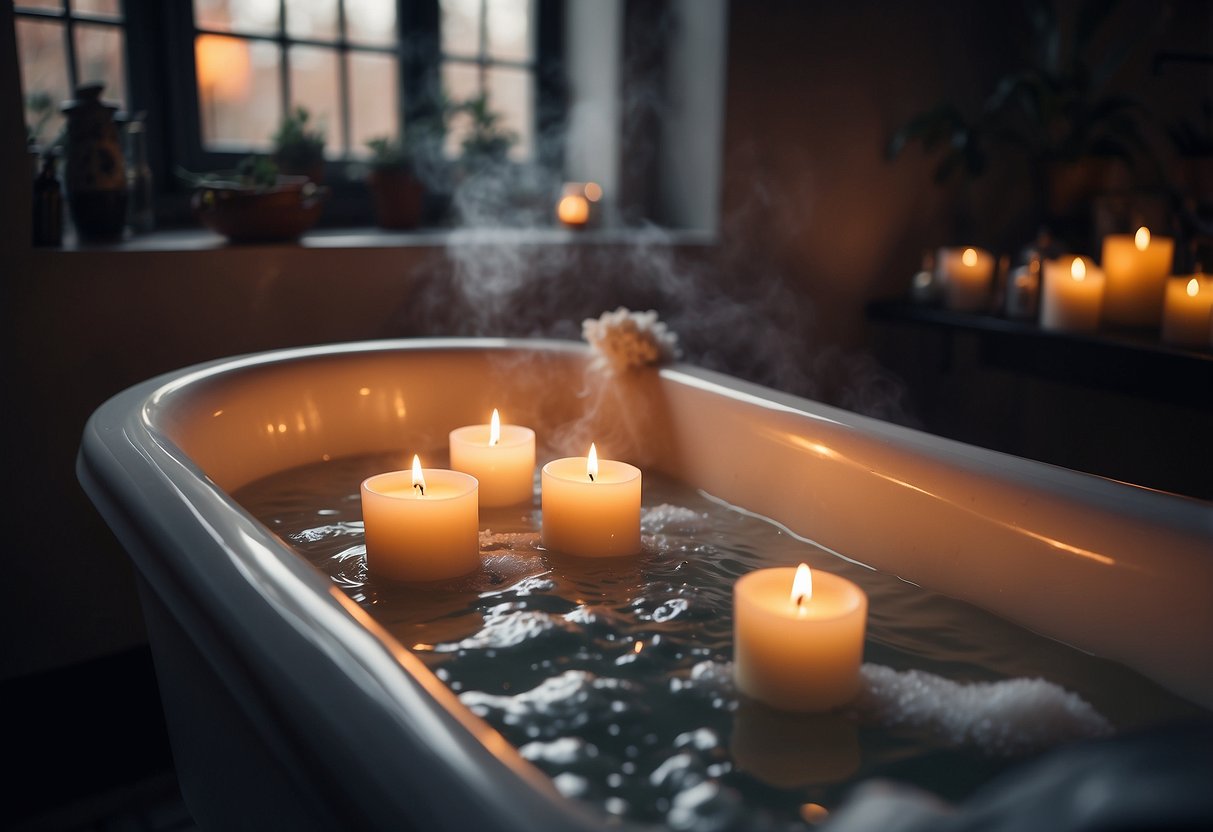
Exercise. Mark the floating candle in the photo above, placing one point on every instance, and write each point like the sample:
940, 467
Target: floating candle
1072, 295
798, 637
967, 275
421, 525
500, 457
1136, 266
1188, 312
591, 507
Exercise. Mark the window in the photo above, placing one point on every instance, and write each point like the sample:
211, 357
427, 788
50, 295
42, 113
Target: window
488, 49
216, 76
62, 44
255, 58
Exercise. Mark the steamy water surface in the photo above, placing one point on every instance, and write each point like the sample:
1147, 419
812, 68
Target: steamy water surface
613, 676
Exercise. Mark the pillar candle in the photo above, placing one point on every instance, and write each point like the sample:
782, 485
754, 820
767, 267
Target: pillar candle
1136, 266
421, 525
500, 457
590, 507
1072, 295
1188, 312
798, 637
967, 275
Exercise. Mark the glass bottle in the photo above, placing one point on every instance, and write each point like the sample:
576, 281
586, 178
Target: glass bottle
140, 214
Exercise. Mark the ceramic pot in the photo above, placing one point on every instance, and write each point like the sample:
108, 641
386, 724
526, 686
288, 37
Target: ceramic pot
279, 213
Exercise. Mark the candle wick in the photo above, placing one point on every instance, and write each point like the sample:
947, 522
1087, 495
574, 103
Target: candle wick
591, 477
800, 603
420, 488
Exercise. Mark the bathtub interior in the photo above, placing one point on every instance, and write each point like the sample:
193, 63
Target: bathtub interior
1108, 568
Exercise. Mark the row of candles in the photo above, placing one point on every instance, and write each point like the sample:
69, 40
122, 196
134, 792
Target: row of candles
798, 634
1131, 286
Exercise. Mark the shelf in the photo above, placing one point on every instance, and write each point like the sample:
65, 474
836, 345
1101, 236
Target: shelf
1128, 362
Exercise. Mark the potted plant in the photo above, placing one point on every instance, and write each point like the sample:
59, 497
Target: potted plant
298, 148
398, 193
255, 202
1058, 111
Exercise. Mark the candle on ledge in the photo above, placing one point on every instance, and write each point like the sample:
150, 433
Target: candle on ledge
575, 208
421, 525
591, 507
1136, 266
500, 457
1188, 312
1072, 296
798, 638
967, 275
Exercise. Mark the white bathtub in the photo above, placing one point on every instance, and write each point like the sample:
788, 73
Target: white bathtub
288, 707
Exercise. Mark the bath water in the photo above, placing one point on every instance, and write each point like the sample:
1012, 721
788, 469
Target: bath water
613, 676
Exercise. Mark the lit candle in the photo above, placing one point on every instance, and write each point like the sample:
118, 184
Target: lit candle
576, 205
1188, 313
1136, 266
1072, 295
591, 507
421, 525
798, 638
500, 457
966, 275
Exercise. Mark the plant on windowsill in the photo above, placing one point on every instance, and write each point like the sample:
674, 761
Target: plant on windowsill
255, 202
298, 148
493, 188
1059, 111
397, 192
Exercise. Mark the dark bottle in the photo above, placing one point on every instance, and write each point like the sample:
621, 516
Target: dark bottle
48, 204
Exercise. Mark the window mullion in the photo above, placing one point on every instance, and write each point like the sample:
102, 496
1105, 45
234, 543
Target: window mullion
343, 79
284, 60
69, 46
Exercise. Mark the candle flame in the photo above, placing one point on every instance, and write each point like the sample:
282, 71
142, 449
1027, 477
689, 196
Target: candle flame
639, 646
418, 477
591, 463
1142, 238
802, 586
495, 428
1078, 269
593, 191
969, 257
1193, 287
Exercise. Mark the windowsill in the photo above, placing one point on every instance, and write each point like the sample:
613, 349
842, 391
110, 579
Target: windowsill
198, 239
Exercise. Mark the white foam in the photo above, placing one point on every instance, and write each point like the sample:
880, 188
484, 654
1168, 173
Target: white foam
1007, 717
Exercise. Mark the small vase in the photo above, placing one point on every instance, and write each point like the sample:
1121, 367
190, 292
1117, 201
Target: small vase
96, 170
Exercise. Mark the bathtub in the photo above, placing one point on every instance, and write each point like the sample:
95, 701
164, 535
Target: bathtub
288, 707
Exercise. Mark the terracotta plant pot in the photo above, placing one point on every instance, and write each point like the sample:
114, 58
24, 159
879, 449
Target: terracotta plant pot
245, 214
399, 198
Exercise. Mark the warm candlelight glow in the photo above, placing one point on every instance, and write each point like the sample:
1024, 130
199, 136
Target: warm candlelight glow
802, 586
591, 463
1142, 238
1078, 269
593, 191
418, 477
573, 210
495, 428
969, 257
1193, 287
